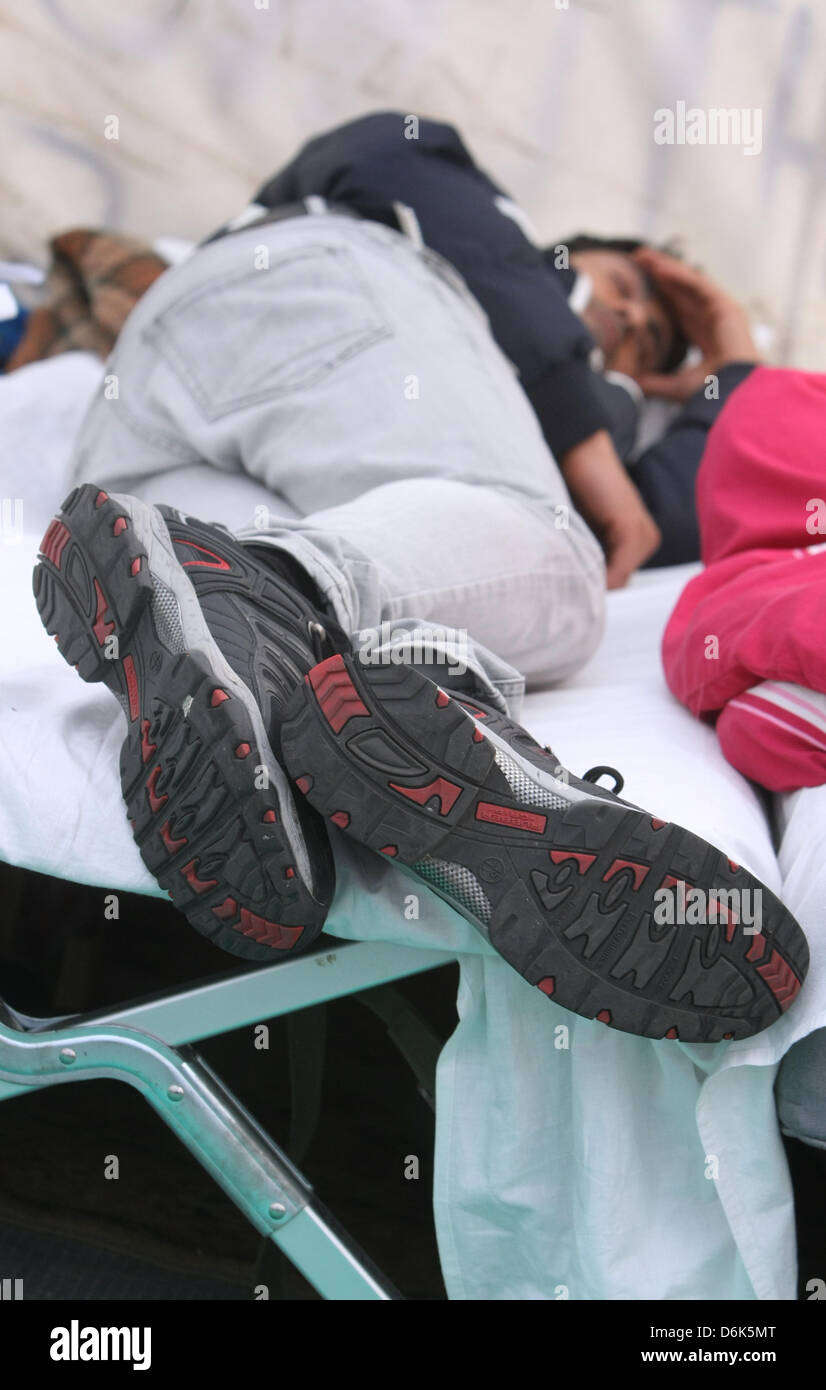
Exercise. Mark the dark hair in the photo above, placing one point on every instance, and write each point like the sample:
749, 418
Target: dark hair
584, 241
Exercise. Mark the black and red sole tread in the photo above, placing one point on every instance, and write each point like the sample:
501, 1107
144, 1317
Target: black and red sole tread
188, 765
386, 756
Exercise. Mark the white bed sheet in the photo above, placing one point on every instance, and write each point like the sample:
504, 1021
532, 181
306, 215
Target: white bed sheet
571, 1161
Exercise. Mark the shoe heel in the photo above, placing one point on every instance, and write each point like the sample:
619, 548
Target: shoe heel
90, 583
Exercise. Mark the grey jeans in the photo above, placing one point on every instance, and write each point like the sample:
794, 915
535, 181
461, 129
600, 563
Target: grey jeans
352, 377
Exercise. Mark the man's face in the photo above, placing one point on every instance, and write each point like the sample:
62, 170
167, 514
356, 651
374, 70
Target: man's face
625, 318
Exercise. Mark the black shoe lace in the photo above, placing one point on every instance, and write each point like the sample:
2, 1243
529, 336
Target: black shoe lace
594, 773
319, 638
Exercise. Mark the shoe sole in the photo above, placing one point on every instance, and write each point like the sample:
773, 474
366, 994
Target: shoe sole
211, 810
560, 881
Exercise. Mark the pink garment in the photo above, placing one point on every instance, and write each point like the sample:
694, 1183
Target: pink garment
776, 735
753, 624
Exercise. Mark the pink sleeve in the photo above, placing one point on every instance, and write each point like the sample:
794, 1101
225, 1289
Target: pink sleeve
758, 615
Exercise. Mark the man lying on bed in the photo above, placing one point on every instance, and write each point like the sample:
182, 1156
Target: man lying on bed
351, 664
555, 313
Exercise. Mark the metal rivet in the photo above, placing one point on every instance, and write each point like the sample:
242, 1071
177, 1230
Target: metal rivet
67, 1056
175, 1092
277, 1210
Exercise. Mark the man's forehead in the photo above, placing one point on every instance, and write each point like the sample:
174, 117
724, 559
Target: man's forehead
609, 255
646, 285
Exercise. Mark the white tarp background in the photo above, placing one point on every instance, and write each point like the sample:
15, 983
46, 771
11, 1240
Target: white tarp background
556, 98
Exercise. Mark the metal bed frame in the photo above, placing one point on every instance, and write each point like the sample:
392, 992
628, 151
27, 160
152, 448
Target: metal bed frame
149, 1045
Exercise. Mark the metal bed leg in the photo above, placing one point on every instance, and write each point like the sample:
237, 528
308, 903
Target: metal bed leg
222, 1135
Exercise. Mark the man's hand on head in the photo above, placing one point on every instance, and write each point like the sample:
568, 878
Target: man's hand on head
709, 317
612, 506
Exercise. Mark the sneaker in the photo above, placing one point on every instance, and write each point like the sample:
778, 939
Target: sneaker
567, 882
201, 643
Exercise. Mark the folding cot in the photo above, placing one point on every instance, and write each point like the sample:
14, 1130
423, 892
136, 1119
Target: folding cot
148, 1044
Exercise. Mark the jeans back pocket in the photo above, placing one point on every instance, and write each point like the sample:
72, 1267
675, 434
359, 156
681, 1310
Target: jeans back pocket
273, 327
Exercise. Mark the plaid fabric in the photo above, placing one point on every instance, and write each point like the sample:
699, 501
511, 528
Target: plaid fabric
95, 279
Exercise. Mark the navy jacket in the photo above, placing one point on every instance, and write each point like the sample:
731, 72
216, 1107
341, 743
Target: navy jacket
370, 163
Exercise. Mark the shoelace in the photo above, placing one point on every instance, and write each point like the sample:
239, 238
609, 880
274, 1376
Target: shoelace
594, 773
319, 639
601, 770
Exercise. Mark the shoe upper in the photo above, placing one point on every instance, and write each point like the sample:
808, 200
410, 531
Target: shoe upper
544, 759
463, 687
267, 630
